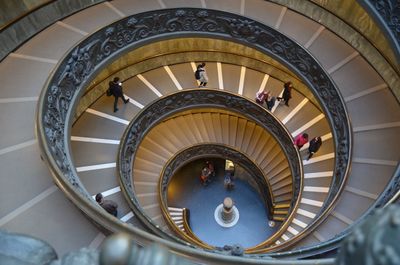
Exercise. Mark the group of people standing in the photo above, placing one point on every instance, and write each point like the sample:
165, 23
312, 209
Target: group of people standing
208, 173
262, 97
314, 145
265, 97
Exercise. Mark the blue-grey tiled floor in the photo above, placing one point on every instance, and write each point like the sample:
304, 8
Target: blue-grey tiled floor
185, 191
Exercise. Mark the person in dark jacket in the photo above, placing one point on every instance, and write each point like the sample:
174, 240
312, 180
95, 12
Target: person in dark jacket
116, 91
314, 146
270, 100
108, 205
203, 78
287, 93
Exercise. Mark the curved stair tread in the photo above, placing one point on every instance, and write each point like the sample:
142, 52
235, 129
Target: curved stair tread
184, 74
88, 153
161, 80
167, 124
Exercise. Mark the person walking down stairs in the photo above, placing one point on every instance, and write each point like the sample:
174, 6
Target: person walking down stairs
267, 98
314, 146
270, 101
287, 93
115, 89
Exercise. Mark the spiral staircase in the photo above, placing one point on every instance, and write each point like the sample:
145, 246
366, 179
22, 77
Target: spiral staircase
33, 204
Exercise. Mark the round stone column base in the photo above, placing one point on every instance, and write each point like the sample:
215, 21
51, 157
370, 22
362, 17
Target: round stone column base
221, 222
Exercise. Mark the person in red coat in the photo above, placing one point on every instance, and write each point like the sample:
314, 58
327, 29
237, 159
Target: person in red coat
301, 140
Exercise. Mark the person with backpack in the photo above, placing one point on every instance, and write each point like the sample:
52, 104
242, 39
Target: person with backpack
201, 75
115, 89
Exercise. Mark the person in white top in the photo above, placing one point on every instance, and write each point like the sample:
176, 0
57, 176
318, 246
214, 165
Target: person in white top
260, 97
203, 75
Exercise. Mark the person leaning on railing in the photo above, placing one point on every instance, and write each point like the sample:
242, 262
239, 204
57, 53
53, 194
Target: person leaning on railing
110, 206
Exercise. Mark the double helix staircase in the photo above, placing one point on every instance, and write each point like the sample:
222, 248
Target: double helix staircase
32, 204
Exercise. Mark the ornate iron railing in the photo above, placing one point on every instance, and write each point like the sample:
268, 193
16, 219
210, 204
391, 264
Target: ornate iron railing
57, 103
170, 105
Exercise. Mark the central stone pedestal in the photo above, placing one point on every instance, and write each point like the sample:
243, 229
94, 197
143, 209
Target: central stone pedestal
226, 214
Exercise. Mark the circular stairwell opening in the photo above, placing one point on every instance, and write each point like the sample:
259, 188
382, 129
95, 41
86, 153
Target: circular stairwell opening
187, 190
